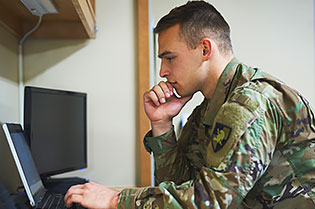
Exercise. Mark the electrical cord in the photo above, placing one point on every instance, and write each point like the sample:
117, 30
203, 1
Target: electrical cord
19, 190
20, 67
31, 31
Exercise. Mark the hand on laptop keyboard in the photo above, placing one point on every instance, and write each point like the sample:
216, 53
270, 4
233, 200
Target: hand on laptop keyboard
56, 201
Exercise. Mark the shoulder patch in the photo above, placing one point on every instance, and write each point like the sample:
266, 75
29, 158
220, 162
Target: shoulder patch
220, 135
230, 124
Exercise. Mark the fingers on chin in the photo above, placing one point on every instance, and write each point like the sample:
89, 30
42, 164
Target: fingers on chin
154, 98
170, 87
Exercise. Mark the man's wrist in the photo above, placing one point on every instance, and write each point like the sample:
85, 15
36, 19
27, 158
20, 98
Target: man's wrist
161, 127
115, 200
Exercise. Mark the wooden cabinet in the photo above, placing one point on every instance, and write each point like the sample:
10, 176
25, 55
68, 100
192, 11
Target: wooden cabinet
75, 20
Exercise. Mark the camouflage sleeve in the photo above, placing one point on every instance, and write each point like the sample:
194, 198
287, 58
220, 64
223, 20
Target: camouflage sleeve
169, 154
250, 124
169, 163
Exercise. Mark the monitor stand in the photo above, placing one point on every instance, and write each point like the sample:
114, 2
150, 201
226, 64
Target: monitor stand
61, 185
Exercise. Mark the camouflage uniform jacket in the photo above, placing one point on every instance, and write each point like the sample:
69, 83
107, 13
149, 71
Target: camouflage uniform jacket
251, 146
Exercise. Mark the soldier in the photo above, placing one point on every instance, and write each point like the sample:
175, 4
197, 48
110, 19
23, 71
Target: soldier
249, 144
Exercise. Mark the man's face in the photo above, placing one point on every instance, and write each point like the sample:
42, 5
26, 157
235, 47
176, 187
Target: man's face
180, 65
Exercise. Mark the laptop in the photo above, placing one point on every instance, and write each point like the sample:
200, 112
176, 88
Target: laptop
37, 194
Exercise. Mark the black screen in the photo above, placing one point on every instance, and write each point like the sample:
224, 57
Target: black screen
55, 124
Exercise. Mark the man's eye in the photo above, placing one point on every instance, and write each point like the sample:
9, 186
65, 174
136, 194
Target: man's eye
169, 58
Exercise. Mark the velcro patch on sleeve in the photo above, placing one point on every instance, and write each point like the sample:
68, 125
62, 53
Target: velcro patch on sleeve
230, 124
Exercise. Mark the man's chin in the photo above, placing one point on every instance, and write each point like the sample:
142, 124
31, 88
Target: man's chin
177, 93
182, 94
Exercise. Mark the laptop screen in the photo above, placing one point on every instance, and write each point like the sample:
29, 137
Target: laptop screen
23, 159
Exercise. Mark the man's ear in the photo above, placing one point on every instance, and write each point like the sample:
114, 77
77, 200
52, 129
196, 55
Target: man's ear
206, 46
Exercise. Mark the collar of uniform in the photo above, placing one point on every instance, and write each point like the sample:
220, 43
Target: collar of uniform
221, 91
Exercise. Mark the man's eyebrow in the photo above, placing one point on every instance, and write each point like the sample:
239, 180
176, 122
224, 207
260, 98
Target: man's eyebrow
164, 53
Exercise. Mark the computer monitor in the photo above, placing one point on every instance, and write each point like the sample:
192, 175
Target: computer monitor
55, 127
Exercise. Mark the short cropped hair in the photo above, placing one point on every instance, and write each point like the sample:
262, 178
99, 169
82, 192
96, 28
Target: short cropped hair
198, 20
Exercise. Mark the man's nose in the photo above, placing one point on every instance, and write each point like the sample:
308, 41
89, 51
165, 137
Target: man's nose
164, 71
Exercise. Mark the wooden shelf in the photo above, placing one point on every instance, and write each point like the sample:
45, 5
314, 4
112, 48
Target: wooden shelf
75, 20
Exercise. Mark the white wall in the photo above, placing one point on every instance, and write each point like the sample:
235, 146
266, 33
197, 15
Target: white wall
8, 77
105, 69
276, 36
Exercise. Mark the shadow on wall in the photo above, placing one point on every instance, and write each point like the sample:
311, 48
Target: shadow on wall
8, 55
40, 55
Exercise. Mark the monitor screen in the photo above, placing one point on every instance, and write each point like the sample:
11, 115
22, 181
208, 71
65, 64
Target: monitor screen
55, 125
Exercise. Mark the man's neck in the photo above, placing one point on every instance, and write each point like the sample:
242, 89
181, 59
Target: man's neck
216, 68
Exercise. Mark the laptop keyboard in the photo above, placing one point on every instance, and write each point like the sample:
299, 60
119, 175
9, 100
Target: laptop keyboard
52, 201
56, 201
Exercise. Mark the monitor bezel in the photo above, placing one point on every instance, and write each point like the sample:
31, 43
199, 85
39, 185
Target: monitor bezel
28, 91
